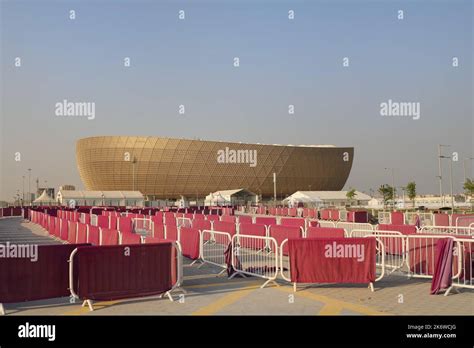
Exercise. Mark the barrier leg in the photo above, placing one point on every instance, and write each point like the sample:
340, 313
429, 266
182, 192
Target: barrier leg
84, 303
451, 288
169, 296
268, 282
192, 263
294, 287
371, 286
220, 273
2, 309
89, 303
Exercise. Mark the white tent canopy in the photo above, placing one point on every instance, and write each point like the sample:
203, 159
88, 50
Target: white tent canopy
44, 199
327, 198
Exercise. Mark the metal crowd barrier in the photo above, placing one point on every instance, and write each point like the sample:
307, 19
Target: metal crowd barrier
213, 245
142, 226
464, 278
350, 226
456, 231
394, 257
248, 258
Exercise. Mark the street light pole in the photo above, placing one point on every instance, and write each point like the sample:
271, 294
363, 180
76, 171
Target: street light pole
274, 187
23, 190
451, 181
440, 172
29, 185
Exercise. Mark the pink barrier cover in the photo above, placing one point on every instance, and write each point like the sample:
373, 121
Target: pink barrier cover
324, 232
253, 229
280, 233
130, 238
109, 237
292, 222
265, 220
441, 219
229, 218
397, 218
404, 229
442, 277
228, 227
245, 219
158, 231
338, 260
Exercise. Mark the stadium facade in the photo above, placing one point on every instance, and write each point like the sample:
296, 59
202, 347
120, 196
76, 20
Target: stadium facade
165, 168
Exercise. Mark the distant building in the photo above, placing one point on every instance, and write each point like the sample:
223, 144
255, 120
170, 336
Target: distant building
50, 191
45, 199
326, 199
231, 197
101, 198
67, 188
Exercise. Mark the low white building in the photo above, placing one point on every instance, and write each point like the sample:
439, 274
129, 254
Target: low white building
230, 197
326, 199
101, 198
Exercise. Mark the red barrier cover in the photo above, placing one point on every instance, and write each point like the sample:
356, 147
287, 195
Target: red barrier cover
338, 260
108, 273
130, 238
189, 239
63, 233
201, 224
48, 277
109, 237
93, 236
125, 224
81, 233
171, 232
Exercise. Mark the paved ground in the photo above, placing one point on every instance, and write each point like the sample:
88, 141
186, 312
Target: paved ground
208, 294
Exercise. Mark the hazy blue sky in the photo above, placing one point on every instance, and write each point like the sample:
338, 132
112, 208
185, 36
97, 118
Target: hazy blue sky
283, 62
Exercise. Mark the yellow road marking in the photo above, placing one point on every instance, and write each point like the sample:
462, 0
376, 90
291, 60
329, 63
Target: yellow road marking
333, 302
331, 309
227, 300
209, 285
85, 309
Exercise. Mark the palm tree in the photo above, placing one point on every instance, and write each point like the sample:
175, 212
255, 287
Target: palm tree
411, 191
350, 195
469, 189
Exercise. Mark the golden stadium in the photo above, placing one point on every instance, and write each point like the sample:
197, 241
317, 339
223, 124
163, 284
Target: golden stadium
163, 168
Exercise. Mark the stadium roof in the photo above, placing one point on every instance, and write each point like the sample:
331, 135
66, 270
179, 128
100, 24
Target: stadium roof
100, 194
